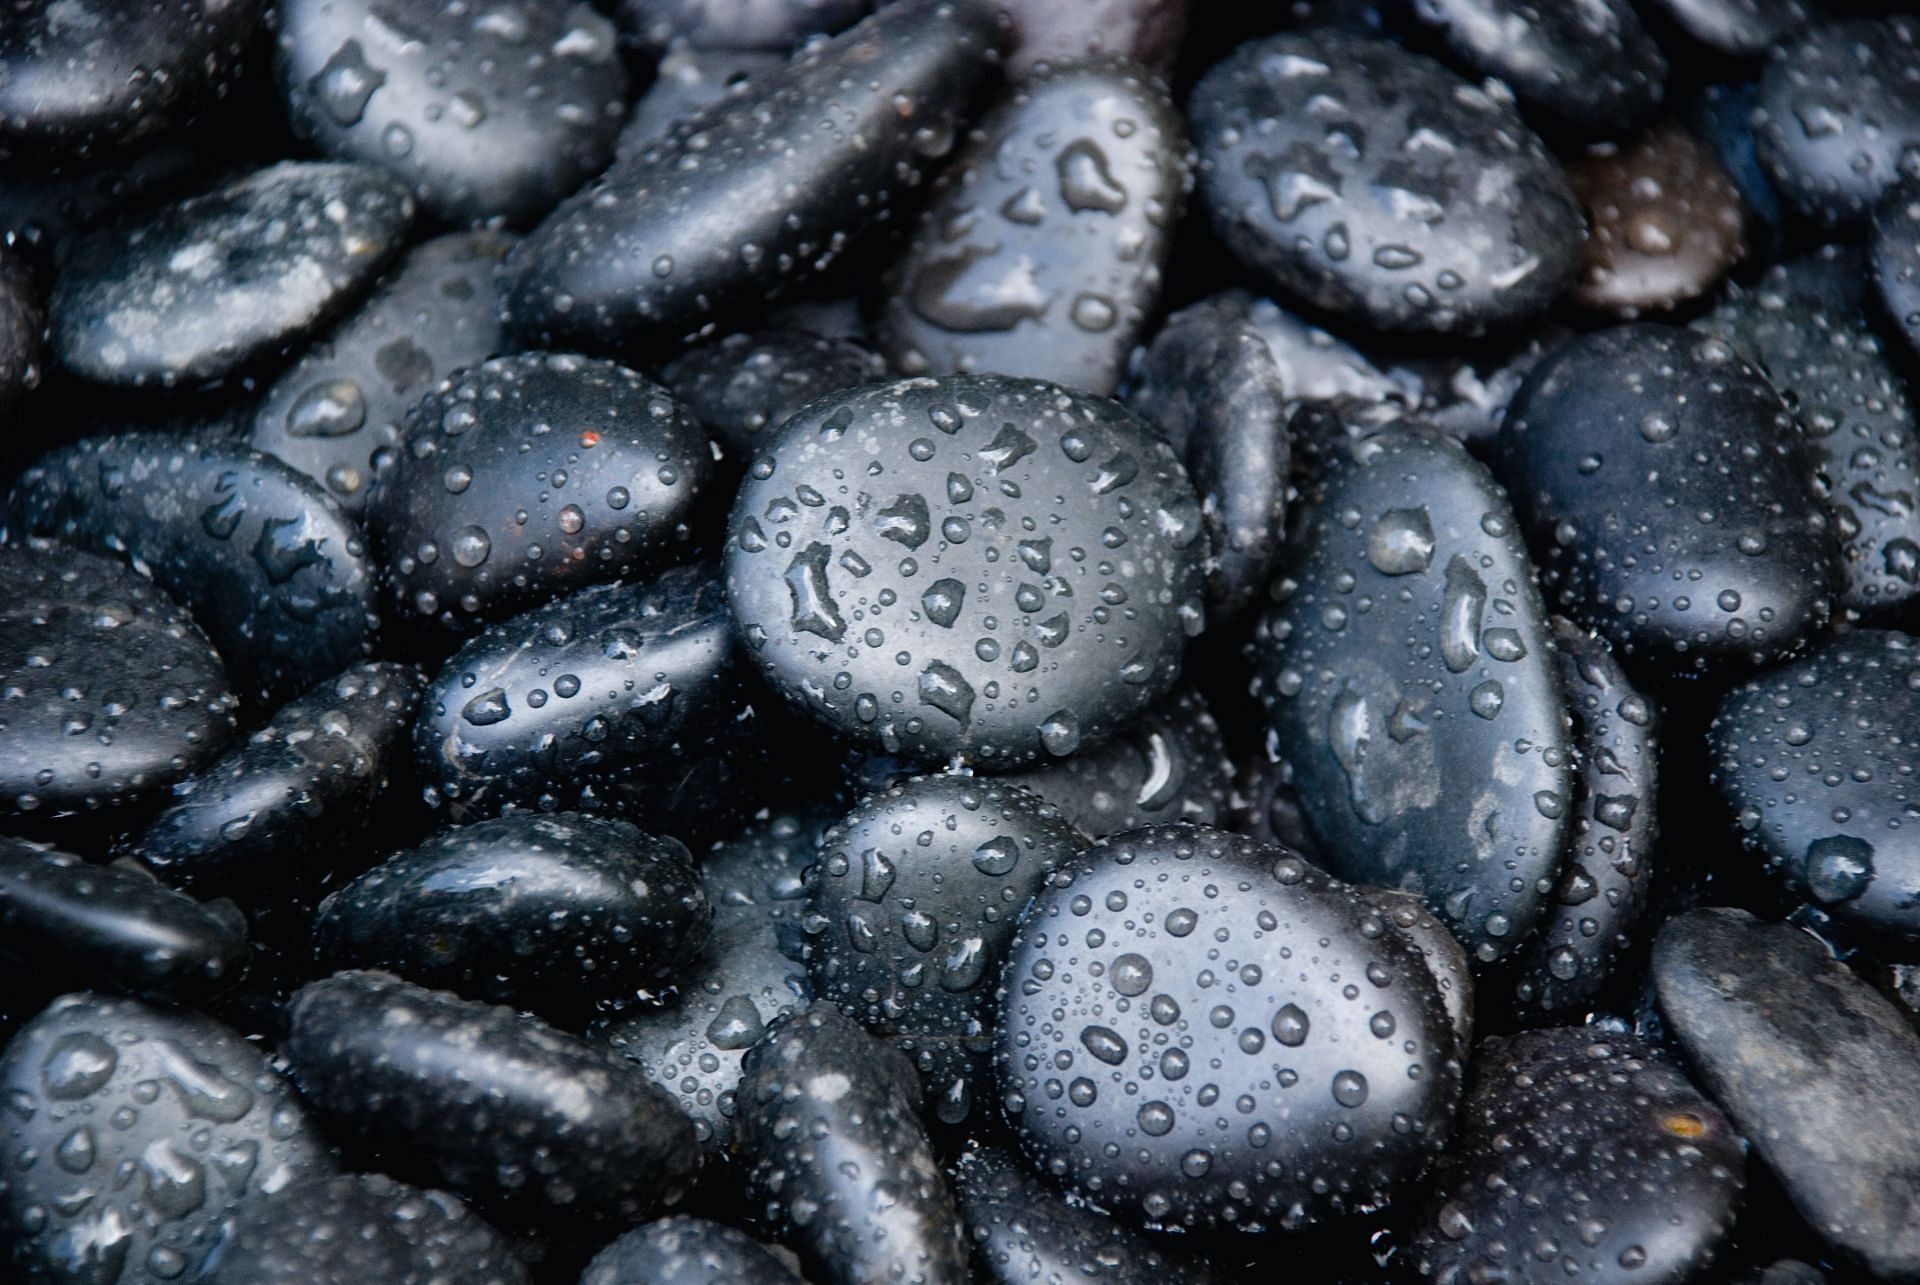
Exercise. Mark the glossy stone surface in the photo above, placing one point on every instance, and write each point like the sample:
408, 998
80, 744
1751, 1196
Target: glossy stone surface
744, 387
687, 1251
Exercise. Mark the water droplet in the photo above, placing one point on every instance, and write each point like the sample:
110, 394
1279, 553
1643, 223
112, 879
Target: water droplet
1290, 1026
1401, 542
330, 408
471, 545
1350, 1088
1839, 868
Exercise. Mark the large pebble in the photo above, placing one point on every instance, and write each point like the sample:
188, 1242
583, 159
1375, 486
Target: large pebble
1818, 1071
108, 690
1581, 1156
1041, 252
992, 568
527, 476
358, 1229
547, 913
269, 566
1817, 760
772, 26
746, 386
198, 290
1408, 675
1202, 1030
499, 1107
487, 112
911, 906
1044, 31
335, 409
623, 698
1667, 488
687, 1251
1373, 182
147, 1128
751, 193
839, 1159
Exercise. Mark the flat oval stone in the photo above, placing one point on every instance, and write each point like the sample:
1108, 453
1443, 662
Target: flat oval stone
1337, 166
1015, 609
1838, 114
199, 289
1856, 420
685, 80
1264, 1051
1586, 67
547, 913
356, 1229
346, 399
110, 926
1814, 759
1604, 884
23, 324
269, 566
1739, 28
907, 936
749, 973
1591, 1155
1410, 677
108, 690
274, 808
1664, 222
92, 77
488, 113
528, 476
750, 194
1041, 251
500, 1107
1171, 764
1663, 481
687, 1251
1146, 31
1896, 258
623, 698
773, 26
839, 1160
150, 1127
1212, 386
745, 386
1819, 1071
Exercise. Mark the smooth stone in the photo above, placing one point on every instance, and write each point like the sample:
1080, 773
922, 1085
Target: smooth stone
1737, 28
111, 692
770, 26
687, 1251
1446, 959
1315, 365
1149, 32
197, 290
1407, 671
744, 387
686, 80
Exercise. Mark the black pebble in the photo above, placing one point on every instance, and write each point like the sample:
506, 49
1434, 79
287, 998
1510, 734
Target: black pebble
751, 193
1018, 581
501, 1108
487, 112
1445, 958
686, 80
150, 1127
527, 476
770, 26
547, 913
112, 693
687, 1251
198, 290
744, 387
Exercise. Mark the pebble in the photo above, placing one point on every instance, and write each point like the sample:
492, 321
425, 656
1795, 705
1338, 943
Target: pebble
503, 1109
1046, 32
687, 1251
296, 608
1737, 28
1896, 258
934, 605
1661, 478
133, 1134
686, 80
1819, 1072
1337, 168
547, 913
527, 476
199, 290
345, 401
1665, 223
1407, 673
752, 193
490, 112
1201, 1030
1042, 249
109, 692
744, 387
768, 26
1445, 958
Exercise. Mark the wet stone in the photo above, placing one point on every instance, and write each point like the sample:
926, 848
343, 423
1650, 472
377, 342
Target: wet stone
1042, 250
1146, 31
1440, 950
346, 399
1202, 1030
1374, 183
686, 80
744, 387
1018, 583
486, 112
687, 1251
1410, 678
1896, 258
769, 26
108, 690
200, 289
1664, 223
527, 476
1739, 28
